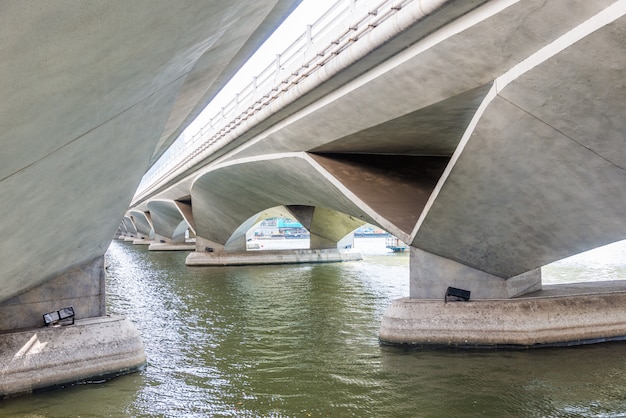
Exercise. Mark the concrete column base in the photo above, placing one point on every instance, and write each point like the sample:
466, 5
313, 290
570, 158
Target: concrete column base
172, 246
140, 241
270, 257
559, 315
92, 349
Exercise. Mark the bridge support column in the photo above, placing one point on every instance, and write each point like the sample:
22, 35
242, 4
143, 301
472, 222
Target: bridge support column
34, 356
515, 312
431, 275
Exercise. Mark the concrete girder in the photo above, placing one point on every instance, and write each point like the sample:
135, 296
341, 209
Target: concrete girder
122, 228
142, 222
238, 240
205, 79
168, 220
417, 21
89, 89
130, 226
457, 57
326, 227
227, 196
542, 175
396, 187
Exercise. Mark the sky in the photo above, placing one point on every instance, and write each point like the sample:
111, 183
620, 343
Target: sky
305, 14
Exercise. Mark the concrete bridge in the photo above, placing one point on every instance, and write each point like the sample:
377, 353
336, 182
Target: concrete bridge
487, 135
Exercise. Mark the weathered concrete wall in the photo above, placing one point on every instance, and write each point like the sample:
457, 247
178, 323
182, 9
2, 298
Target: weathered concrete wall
167, 220
92, 92
431, 275
90, 350
564, 318
82, 287
226, 197
493, 141
142, 223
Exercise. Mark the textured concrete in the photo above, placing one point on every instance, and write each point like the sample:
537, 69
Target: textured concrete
431, 275
222, 203
92, 92
93, 349
82, 287
560, 316
491, 141
167, 221
172, 246
142, 222
129, 226
440, 154
543, 173
326, 227
271, 257
141, 241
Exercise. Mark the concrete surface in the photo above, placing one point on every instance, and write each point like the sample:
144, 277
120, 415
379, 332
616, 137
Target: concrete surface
222, 203
142, 222
143, 241
93, 349
431, 275
167, 221
560, 315
478, 162
93, 91
270, 257
82, 287
172, 246
493, 139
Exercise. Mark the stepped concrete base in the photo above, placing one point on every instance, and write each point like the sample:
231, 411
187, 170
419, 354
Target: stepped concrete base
172, 246
271, 257
140, 241
559, 315
93, 349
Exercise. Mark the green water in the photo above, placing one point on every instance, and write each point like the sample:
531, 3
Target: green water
300, 341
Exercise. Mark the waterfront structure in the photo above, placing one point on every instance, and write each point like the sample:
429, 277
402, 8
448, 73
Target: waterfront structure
93, 93
487, 135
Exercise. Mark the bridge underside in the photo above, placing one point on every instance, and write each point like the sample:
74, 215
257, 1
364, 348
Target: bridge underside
493, 145
93, 93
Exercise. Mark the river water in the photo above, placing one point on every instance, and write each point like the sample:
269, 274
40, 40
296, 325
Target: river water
301, 341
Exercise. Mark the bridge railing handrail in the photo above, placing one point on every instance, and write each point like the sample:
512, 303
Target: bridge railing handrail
305, 55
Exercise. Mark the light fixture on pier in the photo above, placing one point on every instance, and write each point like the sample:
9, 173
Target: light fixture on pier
457, 294
60, 317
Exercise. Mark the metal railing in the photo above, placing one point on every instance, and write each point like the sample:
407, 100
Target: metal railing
343, 24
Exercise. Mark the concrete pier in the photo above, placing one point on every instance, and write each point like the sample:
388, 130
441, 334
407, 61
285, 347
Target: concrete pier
140, 241
270, 257
558, 315
93, 349
172, 246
